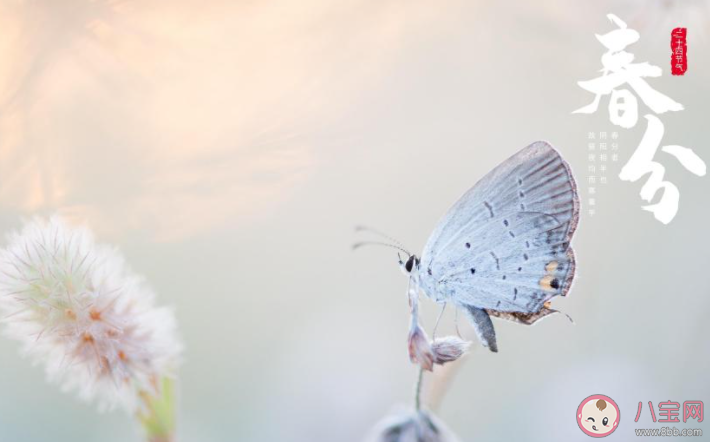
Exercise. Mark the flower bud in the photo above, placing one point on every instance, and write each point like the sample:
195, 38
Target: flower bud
448, 349
419, 349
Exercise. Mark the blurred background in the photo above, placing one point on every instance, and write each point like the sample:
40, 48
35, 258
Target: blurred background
230, 148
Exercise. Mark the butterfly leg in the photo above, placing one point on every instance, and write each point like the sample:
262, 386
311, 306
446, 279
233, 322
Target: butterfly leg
483, 326
456, 323
438, 319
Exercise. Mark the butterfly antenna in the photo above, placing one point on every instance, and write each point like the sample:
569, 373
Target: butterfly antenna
357, 245
378, 233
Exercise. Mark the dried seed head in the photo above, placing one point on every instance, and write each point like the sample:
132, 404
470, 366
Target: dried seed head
77, 308
411, 426
419, 349
448, 349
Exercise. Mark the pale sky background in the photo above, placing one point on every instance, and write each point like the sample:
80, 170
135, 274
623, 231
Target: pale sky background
229, 149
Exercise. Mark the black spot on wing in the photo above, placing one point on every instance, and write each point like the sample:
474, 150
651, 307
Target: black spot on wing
490, 208
496, 260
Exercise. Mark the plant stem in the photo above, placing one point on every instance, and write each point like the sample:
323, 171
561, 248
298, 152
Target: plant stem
418, 390
158, 419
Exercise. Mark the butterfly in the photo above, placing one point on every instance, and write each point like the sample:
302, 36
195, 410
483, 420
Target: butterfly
503, 249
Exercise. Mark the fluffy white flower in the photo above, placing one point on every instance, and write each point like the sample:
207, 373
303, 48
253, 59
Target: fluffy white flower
78, 309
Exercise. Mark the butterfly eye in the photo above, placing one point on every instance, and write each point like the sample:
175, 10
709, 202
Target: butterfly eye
410, 263
605, 421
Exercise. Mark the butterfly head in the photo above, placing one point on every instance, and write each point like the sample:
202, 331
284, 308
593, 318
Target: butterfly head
411, 265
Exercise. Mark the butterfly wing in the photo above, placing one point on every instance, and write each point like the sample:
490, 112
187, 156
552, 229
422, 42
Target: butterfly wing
504, 245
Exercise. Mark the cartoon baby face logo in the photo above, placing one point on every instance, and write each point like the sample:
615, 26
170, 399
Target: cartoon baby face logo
598, 415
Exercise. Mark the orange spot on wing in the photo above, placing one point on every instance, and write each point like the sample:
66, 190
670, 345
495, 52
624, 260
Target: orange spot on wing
546, 282
551, 266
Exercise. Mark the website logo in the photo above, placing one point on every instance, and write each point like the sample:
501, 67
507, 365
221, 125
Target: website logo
598, 415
